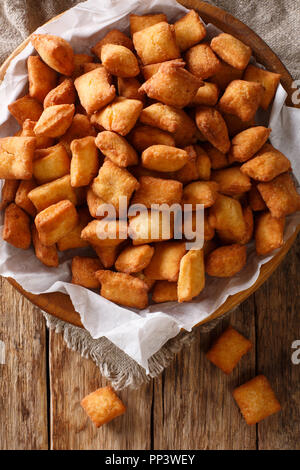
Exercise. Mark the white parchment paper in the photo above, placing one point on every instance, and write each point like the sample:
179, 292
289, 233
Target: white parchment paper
139, 334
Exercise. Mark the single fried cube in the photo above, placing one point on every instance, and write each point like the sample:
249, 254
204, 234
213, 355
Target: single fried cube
56, 221
156, 43
16, 157
41, 78
16, 230
94, 202
102, 406
41, 142
22, 199
189, 30
95, 90
203, 164
191, 280
83, 271
231, 181
164, 158
245, 144
225, 75
201, 61
150, 226
200, 192
55, 51
231, 50
218, 159
268, 233
157, 191
172, 85
114, 182
123, 289
226, 216
119, 61
226, 261
256, 399
267, 164
73, 239
206, 95
80, 127
134, 258
8, 193
116, 148
53, 192
255, 200
139, 22
212, 125
120, 116
143, 137
51, 164
55, 120
130, 88
113, 37
105, 233
107, 254
85, 161
164, 291
46, 254
228, 350
241, 98
26, 108
280, 195
64, 93
268, 80
165, 262
149, 70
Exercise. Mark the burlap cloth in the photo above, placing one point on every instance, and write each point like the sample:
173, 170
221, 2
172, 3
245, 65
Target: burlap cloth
277, 22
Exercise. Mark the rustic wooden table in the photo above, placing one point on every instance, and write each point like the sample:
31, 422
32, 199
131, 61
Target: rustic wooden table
190, 406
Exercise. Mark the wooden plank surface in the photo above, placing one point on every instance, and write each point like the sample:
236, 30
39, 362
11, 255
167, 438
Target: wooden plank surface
23, 377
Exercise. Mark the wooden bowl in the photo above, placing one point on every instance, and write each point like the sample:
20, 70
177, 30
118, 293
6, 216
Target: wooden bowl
59, 304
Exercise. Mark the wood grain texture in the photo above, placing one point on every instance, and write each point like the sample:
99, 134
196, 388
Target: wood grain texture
23, 383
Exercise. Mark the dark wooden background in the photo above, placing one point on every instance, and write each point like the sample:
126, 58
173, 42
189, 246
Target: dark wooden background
190, 406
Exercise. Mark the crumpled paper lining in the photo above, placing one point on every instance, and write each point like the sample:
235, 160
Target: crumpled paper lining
140, 334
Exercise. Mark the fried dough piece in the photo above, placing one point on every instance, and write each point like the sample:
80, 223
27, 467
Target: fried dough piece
200, 192
164, 291
226, 216
231, 50
53, 192
268, 233
268, 80
242, 99
139, 22
280, 195
41, 142
55, 120
16, 157
105, 233
64, 93
157, 191
8, 193
212, 125
16, 230
95, 89
55, 51
51, 164
26, 108
22, 199
226, 261
142, 137
245, 144
165, 262
267, 164
119, 61
189, 30
201, 61
206, 95
80, 128
116, 148
191, 280
231, 181
46, 254
41, 78
119, 116
112, 37
84, 271
134, 258
164, 158
85, 161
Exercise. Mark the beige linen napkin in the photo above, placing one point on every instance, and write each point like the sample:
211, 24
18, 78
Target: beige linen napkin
276, 21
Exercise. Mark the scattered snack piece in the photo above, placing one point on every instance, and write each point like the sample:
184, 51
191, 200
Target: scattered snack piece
156, 43
189, 30
200, 192
242, 99
212, 125
112, 37
218, 159
26, 108
268, 80
105, 233
55, 51
94, 202
165, 262
130, 88
107, 254
256, 399
41, 142
255, 200
201, 61
16, 230
134, 258
16, 157
119, 61
207, 95
73, 239
50, 193
231, 181
172, 85
164, 291
102, 406
64, 93
139, 22
55, 222
149, 227
164, 158
80, 127
267, 164
231, 50
46, 254
268, 233
226, 216
41, 78
51, 164
245, 144
143, 137
225, 75
123, 289
226, 261
95, 89
22, 199
83, 271
8, 193
116, 148
280, 195
55, 120
85, 161
120, 116
157, 191
228, 349
191, 280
